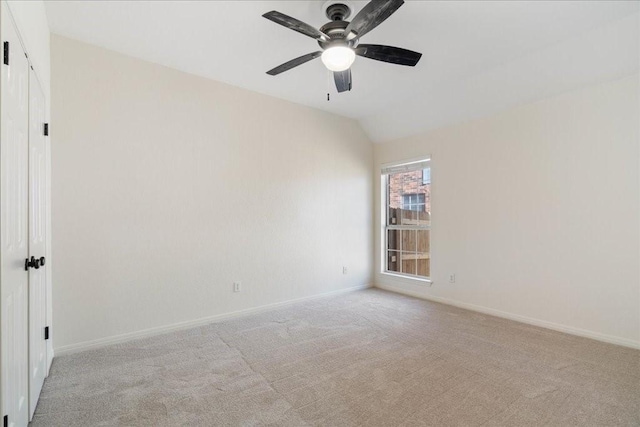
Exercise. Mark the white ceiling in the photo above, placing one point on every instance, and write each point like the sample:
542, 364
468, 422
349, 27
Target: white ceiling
478, 57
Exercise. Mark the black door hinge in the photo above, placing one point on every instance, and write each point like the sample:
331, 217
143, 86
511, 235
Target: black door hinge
6, 417
46, 332
6, 53
46, 129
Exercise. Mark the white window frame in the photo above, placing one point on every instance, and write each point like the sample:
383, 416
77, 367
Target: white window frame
386, 170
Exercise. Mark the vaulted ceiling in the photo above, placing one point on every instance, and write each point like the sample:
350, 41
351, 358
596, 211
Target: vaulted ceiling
478, 57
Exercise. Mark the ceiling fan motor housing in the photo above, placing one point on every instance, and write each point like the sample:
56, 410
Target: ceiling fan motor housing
337, 11
335, 30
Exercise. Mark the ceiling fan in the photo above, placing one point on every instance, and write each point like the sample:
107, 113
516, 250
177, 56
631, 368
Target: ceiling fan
339, 39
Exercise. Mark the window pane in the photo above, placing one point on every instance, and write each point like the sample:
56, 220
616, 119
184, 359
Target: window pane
409, 262
422, 237
394, 216
395, 190
407, 189
407, 216
408, 243
393, 258
424, 268
423, 255
393, 239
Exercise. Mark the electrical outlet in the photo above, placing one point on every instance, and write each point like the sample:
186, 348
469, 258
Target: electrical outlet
344, 270
236, 286
452, 278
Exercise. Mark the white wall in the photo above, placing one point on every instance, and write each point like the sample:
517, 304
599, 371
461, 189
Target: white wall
536, 211
168, 187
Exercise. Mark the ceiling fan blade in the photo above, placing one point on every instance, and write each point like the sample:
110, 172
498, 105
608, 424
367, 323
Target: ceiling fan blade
295, 25
394, 55
372, 15
293, 63
343, 80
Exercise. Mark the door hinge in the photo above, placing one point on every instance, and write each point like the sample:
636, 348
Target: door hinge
6, 53
46, 129
46, 332
6, 421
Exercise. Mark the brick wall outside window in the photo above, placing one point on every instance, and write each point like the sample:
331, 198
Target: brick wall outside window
408, 183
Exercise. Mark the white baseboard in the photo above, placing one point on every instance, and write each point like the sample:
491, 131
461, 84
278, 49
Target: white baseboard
611, 339
102, 342
50, 361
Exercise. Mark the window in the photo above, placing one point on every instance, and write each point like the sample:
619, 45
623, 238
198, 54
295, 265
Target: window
413, 202
407, 210
426, 176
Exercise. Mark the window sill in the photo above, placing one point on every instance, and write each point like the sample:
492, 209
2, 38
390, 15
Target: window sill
427, 281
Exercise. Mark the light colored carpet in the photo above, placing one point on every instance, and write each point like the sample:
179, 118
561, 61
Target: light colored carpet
368, 358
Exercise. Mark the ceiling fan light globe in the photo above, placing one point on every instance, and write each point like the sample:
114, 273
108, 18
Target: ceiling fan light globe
338, 58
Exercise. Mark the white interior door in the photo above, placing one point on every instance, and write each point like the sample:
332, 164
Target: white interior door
14, 148
37, 242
